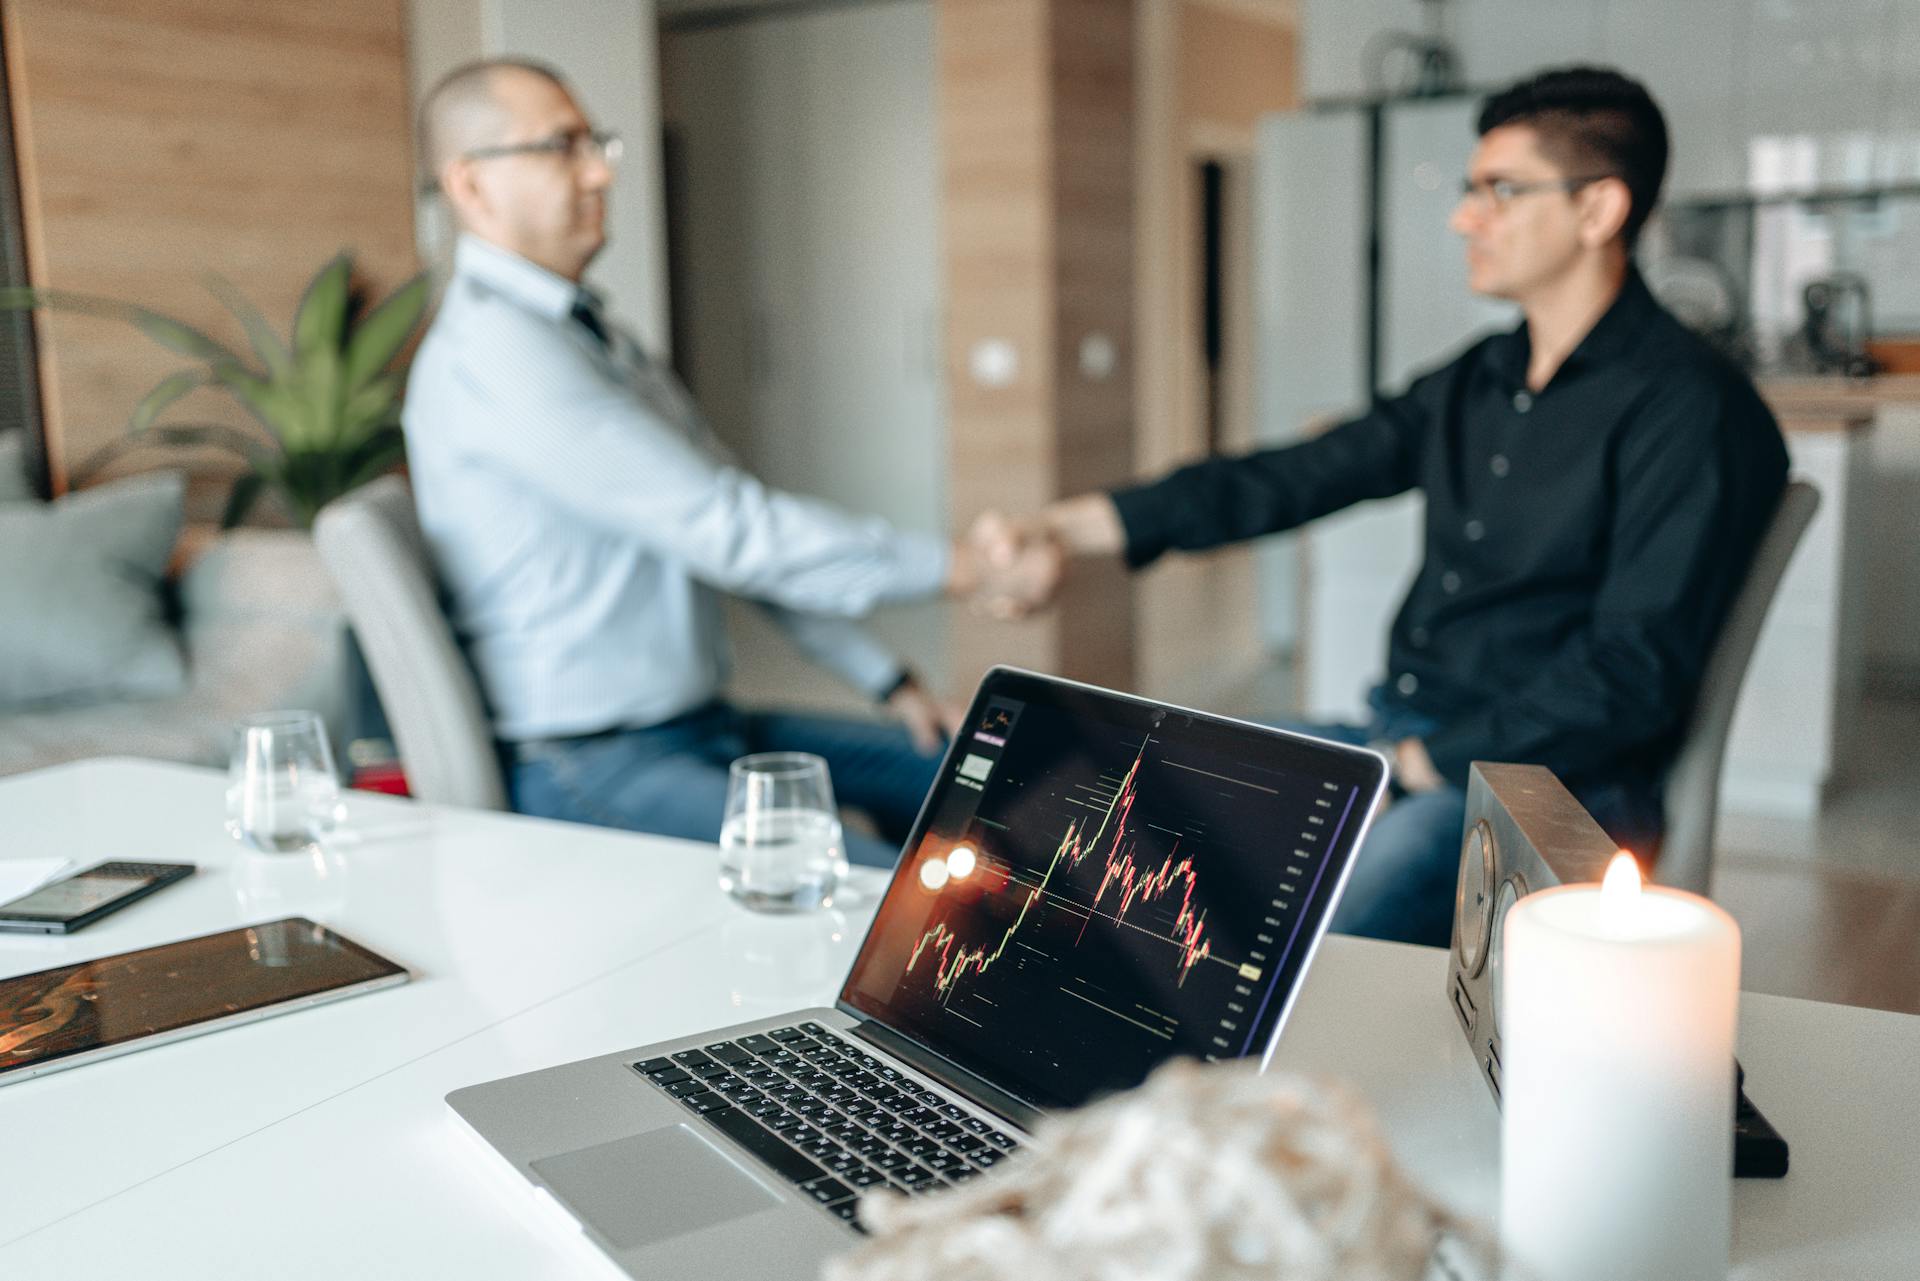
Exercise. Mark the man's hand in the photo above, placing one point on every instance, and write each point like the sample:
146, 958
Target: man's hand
1019, 563
928, 720
1413, 768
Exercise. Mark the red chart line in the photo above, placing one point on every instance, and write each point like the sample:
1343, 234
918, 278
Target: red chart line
956, 960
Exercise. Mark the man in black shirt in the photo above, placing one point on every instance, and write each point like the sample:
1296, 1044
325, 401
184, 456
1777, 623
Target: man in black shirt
1596, 483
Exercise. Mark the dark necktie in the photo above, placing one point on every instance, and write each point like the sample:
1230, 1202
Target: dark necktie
589, 317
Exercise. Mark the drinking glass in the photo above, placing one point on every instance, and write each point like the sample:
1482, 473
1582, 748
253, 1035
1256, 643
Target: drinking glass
282, 792
780, 844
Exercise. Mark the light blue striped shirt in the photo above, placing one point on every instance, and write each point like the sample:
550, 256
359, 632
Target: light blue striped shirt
583, 518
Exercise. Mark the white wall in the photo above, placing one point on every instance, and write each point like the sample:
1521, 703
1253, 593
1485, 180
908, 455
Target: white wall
1834, 84
606, 48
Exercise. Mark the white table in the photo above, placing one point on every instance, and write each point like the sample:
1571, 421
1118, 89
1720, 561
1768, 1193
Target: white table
317, 1144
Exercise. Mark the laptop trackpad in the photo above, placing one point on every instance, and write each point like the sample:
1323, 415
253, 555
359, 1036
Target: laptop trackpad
653, 1186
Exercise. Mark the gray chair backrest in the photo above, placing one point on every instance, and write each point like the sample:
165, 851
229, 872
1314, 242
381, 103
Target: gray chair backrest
371, 543
1692, 792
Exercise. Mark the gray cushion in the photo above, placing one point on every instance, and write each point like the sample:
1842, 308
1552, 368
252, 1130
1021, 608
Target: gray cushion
14, 486
80, 582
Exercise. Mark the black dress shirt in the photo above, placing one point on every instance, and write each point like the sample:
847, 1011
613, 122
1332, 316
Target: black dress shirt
1583, 542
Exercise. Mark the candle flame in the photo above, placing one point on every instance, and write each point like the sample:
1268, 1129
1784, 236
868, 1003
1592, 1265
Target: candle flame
1622, 883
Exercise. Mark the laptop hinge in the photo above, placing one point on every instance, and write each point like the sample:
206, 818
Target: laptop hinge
949, 1074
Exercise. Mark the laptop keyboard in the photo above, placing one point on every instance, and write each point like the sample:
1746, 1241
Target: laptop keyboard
829, 1116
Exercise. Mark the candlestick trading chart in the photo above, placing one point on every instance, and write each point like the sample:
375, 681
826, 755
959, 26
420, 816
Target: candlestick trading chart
1091, 898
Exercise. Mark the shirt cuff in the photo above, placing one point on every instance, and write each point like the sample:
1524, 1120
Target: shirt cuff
921, 565
1143, 517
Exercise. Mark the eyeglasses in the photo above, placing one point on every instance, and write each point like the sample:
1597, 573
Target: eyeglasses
578, 146
1497, 193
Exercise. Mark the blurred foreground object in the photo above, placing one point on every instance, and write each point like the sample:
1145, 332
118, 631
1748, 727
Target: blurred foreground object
1203, 1172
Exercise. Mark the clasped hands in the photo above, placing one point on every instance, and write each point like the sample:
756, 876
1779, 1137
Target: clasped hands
1007, 567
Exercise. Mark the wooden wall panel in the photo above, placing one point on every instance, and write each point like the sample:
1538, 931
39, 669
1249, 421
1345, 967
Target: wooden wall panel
164, 139
1035, 133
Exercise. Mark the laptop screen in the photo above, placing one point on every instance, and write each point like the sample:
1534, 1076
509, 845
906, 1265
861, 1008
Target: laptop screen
1099, 883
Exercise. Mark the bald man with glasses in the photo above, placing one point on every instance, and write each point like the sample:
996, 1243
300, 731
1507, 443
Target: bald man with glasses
586, 522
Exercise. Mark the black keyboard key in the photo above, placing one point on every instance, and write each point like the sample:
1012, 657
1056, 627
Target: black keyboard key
889, 1161
710, 1071
942, 1162
691, 1058
921, 1147
987, 1159
959, 1173
849, 1212
787, 1124
705, 1102
728, 1052
1005, 1142
681, 1089
842, 1162
647, 1067
967, 1145
813, 1029
944, 1130
977, 1126
788, 1164
768, 1110
922, 1117
821, 1149
870, 1146
827, 1191
845, 1132
764, 1076
786, 1034
759, 1044
914, 1177
668, 1075
864, 1177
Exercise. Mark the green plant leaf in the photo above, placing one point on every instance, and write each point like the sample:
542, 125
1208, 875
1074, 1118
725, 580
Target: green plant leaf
176, 435
266, 344
175, 336
381, 454
372, 406
276, 404
320, 323
376, 340
240, 499
179, 337
168, 390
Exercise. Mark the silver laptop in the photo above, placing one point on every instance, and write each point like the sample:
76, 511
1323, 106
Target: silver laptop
1096, 884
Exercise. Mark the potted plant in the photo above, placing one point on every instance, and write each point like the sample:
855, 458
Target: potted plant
329, 397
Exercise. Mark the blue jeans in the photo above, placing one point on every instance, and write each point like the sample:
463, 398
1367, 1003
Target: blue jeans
1402, 884
671, 779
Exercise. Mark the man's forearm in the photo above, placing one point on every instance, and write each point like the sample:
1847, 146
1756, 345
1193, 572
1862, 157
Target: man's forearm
1088, 525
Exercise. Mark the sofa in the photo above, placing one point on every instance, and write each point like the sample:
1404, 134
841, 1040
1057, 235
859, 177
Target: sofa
248, 622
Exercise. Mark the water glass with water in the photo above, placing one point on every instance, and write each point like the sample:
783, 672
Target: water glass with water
282, 793
780, 844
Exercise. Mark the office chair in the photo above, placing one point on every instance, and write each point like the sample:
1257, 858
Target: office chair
371, 544
1692, 792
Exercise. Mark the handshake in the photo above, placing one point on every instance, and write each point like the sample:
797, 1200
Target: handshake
1008, 567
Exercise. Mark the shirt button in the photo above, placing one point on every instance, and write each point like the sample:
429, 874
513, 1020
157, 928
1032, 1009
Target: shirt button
1522, 402
1419, 636
1407, 683
1500, 465
1449, 582
1475, 531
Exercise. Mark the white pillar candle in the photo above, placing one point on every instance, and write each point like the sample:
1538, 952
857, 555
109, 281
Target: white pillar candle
1616, 1143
